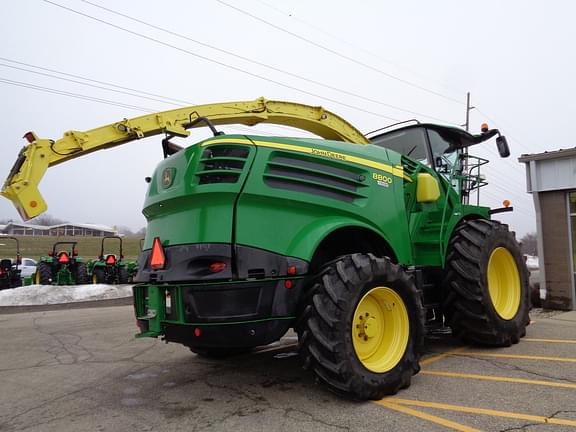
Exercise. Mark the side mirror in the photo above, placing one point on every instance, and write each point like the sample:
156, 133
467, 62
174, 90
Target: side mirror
502, 145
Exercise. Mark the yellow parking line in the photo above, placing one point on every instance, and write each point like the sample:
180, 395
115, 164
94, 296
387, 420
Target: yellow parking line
441, 356
516, 356
489, 412
499, 378
429, 417
560, 341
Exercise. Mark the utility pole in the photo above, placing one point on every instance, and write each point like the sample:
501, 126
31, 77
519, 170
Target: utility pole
468, 109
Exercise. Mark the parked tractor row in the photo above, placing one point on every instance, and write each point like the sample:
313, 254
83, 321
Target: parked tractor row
64, 266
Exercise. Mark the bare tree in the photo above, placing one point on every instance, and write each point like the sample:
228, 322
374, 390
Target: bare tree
124, 230
47, 220
529, 244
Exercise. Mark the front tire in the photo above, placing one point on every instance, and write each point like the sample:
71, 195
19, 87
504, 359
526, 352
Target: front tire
362, 330
486, 289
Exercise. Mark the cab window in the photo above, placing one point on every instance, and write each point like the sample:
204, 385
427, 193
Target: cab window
408, 142
444, 152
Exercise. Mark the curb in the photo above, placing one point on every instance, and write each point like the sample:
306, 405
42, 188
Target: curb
123, 301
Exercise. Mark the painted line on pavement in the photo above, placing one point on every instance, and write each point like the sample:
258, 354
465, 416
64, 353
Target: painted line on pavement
560, 341
483, 411
425, 416
515, 356
499, 378
441, 356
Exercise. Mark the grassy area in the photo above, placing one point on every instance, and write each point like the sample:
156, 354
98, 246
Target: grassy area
88, 247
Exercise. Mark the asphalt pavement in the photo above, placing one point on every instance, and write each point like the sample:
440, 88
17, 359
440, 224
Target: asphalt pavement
83, 370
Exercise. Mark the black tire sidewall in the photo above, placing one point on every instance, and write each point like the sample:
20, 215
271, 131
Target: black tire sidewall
503, 238
414, 339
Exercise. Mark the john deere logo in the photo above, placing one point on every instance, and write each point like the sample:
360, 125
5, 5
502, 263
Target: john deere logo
167, 177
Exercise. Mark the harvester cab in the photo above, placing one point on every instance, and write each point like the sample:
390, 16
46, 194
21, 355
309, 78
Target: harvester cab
109, 268
356, 244
444, 149
10, 276
62, 266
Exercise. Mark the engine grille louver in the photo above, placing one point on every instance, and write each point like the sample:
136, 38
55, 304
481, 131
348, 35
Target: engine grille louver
299, 175
222, 163
410, 166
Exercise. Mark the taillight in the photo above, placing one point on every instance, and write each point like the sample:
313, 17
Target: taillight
157, 257
217, 267
63, 258
110, 260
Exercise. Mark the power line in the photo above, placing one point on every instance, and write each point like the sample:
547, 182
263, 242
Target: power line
85, 84
258, 63
93, 80
349, 43
237, 69
119, 104
73, 95
181, 103
336, 53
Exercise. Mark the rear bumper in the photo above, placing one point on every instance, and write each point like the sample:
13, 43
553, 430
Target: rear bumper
190, 262
229, 314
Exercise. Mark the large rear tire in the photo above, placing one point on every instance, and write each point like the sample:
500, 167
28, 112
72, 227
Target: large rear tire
362, 329
485, 288
123, 275
43, 275
81, 276
98, 276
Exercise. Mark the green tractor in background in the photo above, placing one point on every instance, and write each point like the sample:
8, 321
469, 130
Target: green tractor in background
111, 268
62, 267
358, 243
9, 272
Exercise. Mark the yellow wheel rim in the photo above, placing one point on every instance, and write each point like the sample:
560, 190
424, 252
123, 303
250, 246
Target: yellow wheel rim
94, 279
37, 278
380, 329
504, 283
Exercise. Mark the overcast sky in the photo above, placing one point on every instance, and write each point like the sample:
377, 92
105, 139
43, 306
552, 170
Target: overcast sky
515, 57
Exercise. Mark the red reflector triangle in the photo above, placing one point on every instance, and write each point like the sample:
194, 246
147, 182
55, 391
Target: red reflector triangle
63, 258
110, 259
157, 257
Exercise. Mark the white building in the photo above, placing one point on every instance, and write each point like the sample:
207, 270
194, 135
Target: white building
65, 229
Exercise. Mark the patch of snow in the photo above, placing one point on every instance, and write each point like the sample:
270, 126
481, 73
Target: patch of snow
35, 295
